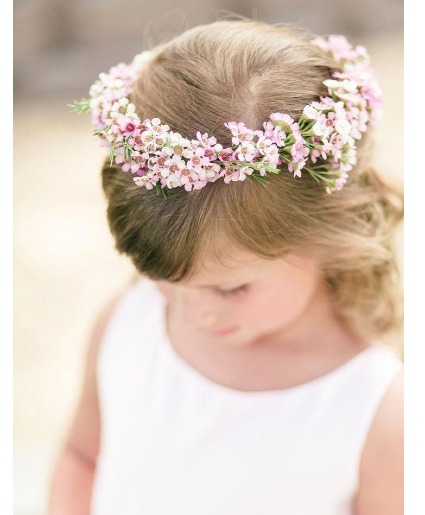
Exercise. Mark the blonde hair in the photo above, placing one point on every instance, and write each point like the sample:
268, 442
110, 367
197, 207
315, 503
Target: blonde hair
243, 70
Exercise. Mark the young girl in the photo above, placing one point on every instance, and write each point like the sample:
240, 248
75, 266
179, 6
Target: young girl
244, 372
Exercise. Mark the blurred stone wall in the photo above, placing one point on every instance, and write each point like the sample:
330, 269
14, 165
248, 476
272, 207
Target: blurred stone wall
60, 45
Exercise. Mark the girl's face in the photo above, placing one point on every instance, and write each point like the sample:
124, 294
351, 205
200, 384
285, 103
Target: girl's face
239, 306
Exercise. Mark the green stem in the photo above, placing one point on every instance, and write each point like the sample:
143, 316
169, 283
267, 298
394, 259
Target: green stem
80, 106
320, 177
258, 178
252, 165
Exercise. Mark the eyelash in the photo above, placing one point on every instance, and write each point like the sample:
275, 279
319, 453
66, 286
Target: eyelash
236, 291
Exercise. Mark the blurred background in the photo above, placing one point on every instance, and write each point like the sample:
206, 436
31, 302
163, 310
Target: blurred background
66, 266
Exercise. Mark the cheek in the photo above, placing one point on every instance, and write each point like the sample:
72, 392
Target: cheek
276, 303
167, 290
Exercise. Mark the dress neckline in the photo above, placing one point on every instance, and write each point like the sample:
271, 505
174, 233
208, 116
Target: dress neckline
221, 388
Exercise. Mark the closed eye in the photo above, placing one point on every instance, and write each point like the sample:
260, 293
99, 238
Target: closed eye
235, 291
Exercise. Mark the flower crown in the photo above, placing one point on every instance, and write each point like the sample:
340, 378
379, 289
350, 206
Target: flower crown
322, 142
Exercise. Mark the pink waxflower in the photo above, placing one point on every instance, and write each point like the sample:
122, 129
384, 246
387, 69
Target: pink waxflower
338, 46
246, 151
205, 140
310, 112
240, 132
299, 151
282, 117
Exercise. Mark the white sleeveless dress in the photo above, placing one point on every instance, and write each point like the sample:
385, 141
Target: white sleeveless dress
174, 442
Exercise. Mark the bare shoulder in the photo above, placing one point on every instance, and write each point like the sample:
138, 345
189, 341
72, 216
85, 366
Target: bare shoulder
83, 438
381, 473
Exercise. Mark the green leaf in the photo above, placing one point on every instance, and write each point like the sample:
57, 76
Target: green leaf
80, 106
112, 155
127, 150
259, 178
160, 191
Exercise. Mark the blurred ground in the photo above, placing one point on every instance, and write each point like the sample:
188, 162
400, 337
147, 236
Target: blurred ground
66, 265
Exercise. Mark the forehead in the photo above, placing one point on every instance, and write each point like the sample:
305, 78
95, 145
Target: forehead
237, 268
